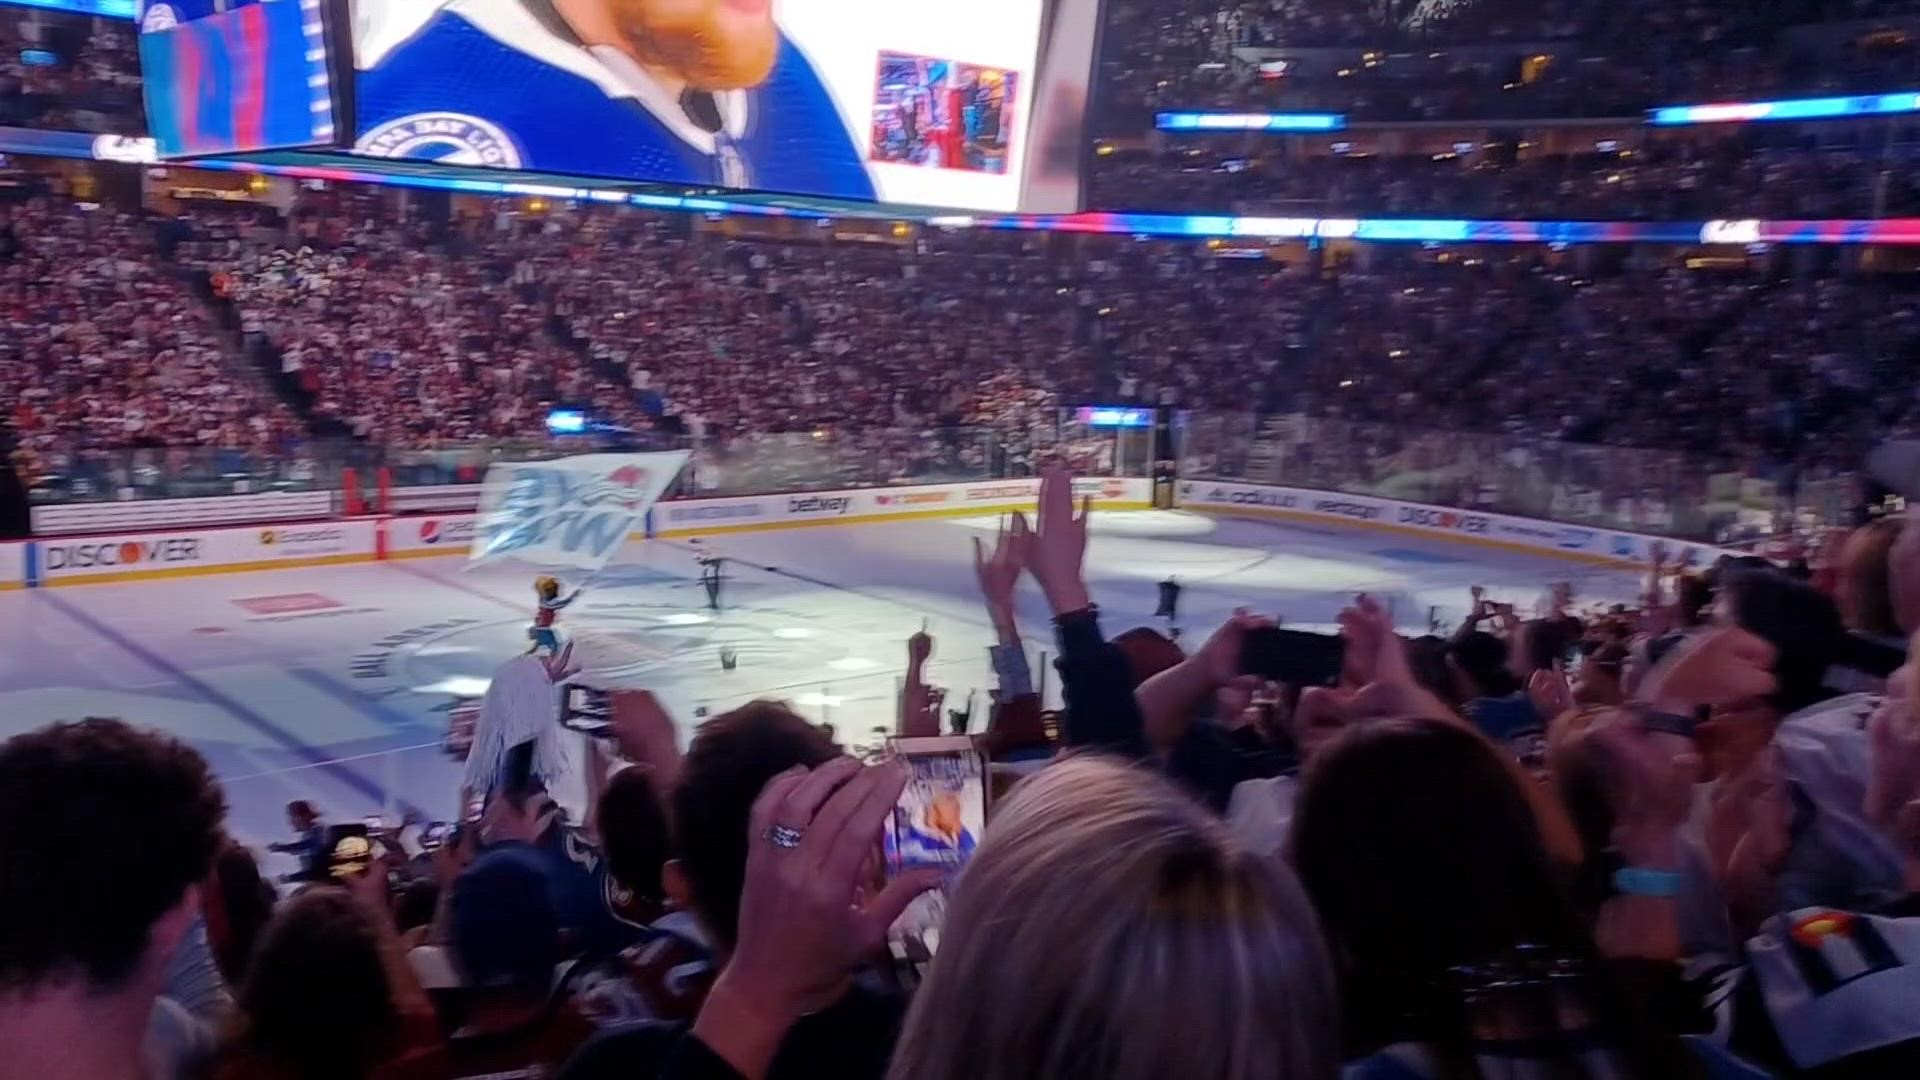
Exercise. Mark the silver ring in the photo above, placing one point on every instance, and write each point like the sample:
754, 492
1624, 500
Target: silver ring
784, 836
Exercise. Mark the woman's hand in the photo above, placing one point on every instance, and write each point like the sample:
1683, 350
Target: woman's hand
1057, 553
1000, 571
806, 924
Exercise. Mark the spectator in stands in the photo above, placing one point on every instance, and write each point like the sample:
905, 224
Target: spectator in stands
666, 975
239, 904
1491, 965
1108, 927
720, 841
1864, 590
330, 996
509, 948
1495, 699
105, 835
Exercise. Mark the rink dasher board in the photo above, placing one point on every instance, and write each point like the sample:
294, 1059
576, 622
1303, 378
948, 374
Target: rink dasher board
1593, 545
147, 556
188, 552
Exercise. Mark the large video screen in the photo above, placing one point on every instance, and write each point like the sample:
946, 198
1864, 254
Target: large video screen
975, 105
225, 76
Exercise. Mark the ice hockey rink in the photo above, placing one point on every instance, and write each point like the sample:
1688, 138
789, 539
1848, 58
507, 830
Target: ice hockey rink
332, 684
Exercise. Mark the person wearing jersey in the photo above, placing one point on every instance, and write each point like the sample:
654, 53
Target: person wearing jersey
682, 91
551, 605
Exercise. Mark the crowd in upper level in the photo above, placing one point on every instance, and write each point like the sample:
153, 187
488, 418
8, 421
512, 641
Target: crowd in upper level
1693, 180
358, 314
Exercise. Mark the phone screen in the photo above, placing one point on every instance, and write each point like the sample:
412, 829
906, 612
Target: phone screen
351, 855
1294, 657
937, 822
587, 710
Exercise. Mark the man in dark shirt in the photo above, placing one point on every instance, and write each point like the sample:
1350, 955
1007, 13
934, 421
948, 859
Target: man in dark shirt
731, 759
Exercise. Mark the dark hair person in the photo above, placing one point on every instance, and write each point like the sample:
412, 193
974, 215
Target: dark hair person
104, 833
1424, 858
731, 758
634, 834
329, 997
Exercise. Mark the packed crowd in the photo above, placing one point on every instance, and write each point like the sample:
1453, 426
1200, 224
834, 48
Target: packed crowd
1672, 839
105, 346
628, 312
1659, 181
69, 72
1377, 61
417, 333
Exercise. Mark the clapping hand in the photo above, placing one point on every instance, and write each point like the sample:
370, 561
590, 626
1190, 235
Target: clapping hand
1718, 667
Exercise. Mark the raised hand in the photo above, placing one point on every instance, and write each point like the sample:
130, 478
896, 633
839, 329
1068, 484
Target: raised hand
1375, 654
1549, 692
1057, 554
644, 732
999, 572
1220, 656
1715, 668
806, 923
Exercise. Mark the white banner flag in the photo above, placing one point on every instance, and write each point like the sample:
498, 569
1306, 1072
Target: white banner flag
571, 512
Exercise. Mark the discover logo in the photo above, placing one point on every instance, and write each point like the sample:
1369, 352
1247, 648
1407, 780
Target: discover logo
122, 553
1444, 519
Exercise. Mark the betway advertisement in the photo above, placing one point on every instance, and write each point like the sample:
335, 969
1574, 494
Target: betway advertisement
702, 517
166, 554
1582, 542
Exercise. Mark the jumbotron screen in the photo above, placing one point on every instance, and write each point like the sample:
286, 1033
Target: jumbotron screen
976, 105
225, 76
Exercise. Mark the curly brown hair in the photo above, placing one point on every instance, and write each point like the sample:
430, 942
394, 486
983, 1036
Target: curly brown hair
103, 828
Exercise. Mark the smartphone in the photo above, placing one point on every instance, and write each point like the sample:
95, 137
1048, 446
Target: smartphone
1294, 657
351, 855
936, 824
587, 710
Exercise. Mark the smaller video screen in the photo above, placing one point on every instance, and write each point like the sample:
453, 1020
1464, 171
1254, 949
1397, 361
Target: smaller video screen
944, 114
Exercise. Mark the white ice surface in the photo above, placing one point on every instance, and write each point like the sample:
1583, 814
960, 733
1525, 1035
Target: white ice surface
346, 706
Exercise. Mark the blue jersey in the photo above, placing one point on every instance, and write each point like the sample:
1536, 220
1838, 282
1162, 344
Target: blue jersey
513, 96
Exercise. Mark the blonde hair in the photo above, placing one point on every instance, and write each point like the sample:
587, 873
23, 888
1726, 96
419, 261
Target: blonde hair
1109, 927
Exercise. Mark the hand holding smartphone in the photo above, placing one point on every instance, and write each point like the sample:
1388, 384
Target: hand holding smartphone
1294, 657
936, 824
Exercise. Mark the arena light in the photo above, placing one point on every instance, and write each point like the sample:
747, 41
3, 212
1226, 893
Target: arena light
1199, 121
1827, 108
566, 421
112, 9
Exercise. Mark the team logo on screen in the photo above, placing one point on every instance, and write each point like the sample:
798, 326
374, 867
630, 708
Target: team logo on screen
448, 138
159, 17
